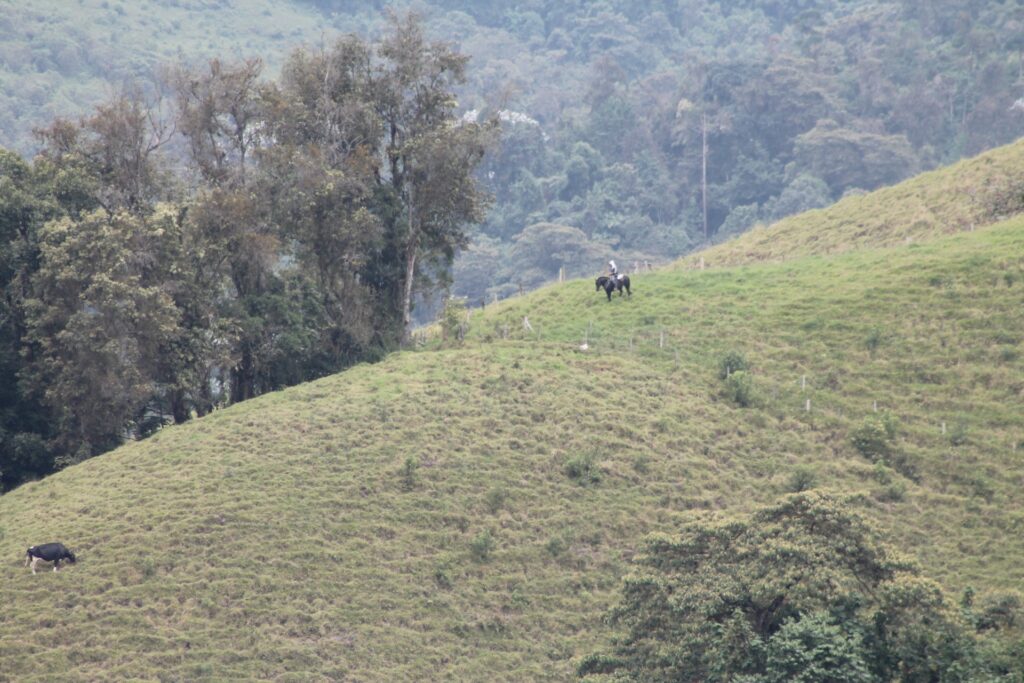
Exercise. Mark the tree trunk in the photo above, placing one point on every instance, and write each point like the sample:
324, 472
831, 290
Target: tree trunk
243, 378
179, 407
411, 247
704, 171
410, 271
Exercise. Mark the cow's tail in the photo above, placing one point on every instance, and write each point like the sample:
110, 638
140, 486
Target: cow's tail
28, 555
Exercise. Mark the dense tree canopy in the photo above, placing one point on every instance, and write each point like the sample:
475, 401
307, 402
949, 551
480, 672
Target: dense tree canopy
305, 215
802, 590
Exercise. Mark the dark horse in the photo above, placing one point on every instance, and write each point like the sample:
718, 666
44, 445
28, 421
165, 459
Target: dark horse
611, 284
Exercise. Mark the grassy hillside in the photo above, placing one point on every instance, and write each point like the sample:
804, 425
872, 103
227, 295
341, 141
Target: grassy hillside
466, 514
967, 195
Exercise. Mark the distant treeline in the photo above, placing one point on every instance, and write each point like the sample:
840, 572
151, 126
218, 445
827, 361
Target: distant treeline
799, 102
171, 254
627, 121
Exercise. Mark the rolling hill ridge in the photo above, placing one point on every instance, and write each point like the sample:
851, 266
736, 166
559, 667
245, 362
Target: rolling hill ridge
467, 512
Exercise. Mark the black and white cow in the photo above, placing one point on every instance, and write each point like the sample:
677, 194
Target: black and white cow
48, 552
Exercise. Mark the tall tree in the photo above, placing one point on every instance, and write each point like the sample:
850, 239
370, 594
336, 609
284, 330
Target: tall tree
100, 322
430, 156
26, 203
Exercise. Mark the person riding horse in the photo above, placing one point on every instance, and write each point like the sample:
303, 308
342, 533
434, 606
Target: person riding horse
613, 281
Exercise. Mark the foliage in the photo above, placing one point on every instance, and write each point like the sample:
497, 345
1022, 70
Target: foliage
739, 388
800, 590
409, 470
583, 469
801, 479
604, 125
731, 362
319, 206
482, 545
453, 320
875, 436
100, 323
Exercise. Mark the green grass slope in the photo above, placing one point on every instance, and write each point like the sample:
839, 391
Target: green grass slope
967, 195
467, 514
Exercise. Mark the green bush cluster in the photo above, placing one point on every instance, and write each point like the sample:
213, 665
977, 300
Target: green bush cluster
732, 362
583, 469
408, 474
803, 590
482, 545
875, 436
739, 388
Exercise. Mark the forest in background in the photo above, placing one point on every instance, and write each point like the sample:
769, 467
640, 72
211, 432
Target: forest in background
606, 106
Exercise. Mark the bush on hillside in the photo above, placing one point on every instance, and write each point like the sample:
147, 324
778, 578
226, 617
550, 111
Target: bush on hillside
958, 434
739, 388
875, 436
412, 464
496, 498
482, 545
874, 339
801, 479
733, 361
583, 469
454, 323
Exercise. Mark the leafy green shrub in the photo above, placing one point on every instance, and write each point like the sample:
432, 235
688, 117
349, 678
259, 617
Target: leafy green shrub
732, 362
409, 470
801, 479
583, 469
496, 498
874, 339
739, 388
980, 486
482, 545
442, 576
875, 436
811, 552
892, 492
1002, 610
148, 568
453, 320
958, 434
816, 648
882, 473
556, 545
